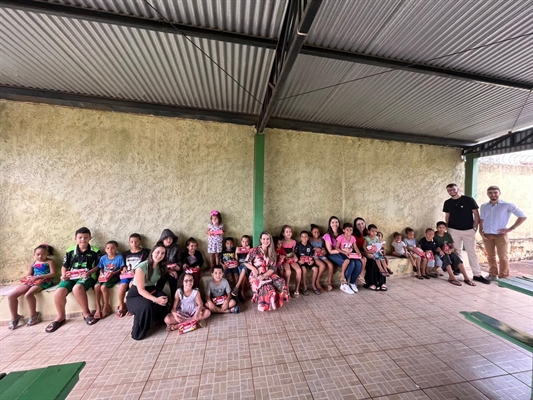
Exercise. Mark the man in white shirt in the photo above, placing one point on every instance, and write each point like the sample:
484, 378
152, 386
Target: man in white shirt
493, 225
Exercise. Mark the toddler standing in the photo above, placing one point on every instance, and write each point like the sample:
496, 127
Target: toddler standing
215, 231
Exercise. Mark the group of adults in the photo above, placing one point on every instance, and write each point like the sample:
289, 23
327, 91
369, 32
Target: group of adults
464, 220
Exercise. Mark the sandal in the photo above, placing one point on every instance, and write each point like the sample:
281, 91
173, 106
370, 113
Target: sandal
90, 320
455, 282
235, 310
373, 287
383, 288
390, 271
317, 292
469, 282
34, 320
120, 312
426, 277
305, 292
15, 323
419, 277
172, 327
54, 326
296, 295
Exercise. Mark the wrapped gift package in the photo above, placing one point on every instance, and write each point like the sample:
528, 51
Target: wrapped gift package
232, 264
306, 259
355, 256
127, 275
219, 300
75, 274
27, 280
419, 251
186, 326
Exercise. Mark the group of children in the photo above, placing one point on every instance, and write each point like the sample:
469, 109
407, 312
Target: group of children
83, 268
433, 251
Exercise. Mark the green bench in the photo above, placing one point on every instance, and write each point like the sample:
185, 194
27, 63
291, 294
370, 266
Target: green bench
522, 284
501, 329
51, 383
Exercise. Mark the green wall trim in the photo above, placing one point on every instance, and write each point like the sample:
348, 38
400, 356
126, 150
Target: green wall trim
259, 185
471, 173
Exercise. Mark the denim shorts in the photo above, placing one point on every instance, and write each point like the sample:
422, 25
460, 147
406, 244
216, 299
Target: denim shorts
242, 267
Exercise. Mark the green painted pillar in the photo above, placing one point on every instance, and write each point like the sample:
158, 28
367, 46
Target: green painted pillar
471, 172
259, 185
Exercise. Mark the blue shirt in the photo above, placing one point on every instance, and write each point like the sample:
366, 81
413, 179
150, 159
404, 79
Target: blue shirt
496, 216
105, 264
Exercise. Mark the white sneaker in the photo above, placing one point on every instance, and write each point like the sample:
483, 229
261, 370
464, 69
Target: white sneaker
346, 288
353, 286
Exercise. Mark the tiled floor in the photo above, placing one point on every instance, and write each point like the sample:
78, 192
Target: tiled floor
408, 343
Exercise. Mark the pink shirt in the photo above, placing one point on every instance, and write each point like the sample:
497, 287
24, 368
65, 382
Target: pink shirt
332, 241
345, 243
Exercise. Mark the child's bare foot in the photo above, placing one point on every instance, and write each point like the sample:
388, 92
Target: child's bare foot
97, 314
120, 312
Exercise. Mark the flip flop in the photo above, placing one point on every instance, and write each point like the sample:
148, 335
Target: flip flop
419, 277
54, 326
455, 282
469, 283
383, 288
373, 287
90, 320
317, 292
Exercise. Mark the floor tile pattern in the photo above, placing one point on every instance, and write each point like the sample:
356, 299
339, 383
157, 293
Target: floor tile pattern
407, 343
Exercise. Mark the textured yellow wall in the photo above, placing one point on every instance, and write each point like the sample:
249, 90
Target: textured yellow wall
310, 177
63, 168
516, 185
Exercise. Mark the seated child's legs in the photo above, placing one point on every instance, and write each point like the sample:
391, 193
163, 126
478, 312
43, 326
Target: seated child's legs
315, 282
202, 314
298, 272
13, 300
80, 293
60, 300
344, 266
321, 267
98, 300
287, 273
303, 272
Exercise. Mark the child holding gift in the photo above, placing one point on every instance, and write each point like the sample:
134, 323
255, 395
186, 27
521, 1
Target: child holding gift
229, 260
193, 260
291, 260
242, 252
218, 292
188, 306
135, 255
110, 266
373, 246
215, 232
39, 277
304, 252
352, 265
319, 255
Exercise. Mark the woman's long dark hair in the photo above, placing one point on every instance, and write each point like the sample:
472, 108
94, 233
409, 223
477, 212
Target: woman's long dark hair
356, 231
330, 231
162, 265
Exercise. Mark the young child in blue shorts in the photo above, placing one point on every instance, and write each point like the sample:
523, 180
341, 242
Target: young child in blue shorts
78, 274
110, 265
135, 255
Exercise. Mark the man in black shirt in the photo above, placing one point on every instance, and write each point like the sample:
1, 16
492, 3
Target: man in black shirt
462, 218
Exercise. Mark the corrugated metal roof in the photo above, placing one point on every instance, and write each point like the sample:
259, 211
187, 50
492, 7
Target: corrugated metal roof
83, 57
400, 101
258, 18
420, 31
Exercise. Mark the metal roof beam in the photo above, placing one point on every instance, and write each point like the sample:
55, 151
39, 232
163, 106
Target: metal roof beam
130, 21
298, 19
509, 143
136, 107
213, 34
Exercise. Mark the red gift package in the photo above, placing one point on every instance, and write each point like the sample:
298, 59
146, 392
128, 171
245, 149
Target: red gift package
75, 274
127, 275
104, 277
186, 326
306, 259
355, 256
217, 232
36, 281
429, 255
219, 300
371, 249
232, 264
418, 251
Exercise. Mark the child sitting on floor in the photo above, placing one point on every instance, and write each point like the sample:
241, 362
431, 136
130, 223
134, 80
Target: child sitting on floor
39, 277
218, 292
188, 305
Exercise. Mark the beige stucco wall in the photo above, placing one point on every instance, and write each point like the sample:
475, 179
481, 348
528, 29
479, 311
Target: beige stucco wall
63, 168
516, 185
310, 177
